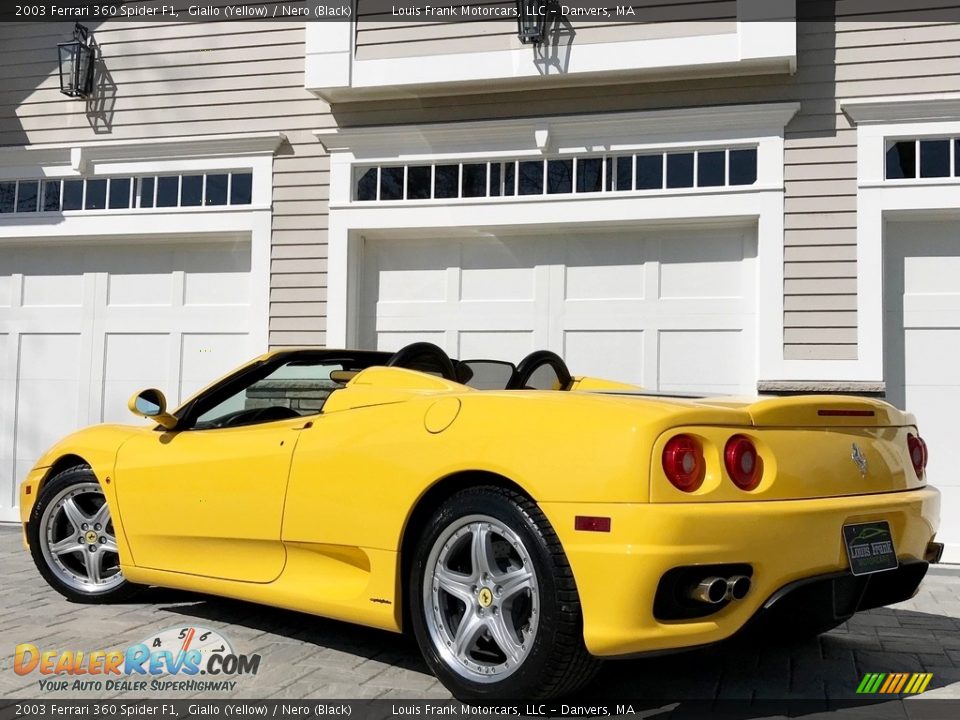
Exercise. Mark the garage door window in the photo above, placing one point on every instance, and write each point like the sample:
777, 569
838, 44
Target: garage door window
714, 168
922, 158
124, 193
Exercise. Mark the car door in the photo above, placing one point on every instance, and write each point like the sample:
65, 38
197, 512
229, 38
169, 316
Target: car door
207, 502
208, 499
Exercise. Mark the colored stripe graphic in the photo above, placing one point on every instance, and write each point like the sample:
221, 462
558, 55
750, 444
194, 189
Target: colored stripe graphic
894, 683
903, 680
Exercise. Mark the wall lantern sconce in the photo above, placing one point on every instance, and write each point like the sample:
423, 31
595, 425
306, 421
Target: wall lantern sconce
532, 16
77, 59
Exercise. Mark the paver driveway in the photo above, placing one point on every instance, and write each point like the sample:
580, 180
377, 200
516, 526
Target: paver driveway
304, 656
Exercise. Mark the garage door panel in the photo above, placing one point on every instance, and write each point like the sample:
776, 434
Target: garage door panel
217, 277
925, 351
393, 341
704, 270
206, 356
617, 355
709, 361
605, 268
932, 275
48, 392
132, 361
495, 345
139, 289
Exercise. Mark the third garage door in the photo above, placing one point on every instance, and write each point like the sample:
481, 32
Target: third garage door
672, 310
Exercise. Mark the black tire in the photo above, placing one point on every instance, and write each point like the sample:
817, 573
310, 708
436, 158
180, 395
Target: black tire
115, 588
557, 662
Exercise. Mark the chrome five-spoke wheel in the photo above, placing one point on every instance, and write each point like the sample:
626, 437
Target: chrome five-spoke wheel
73, 540
483, 599
494, 605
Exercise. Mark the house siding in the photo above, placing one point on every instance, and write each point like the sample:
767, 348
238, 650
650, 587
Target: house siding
181, 79
840, 56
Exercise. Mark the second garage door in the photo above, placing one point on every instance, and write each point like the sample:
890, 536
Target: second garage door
672, 310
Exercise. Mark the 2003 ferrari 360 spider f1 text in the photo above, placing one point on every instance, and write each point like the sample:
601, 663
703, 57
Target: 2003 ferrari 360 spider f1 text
522, 522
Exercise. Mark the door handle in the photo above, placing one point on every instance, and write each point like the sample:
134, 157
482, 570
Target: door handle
306, 426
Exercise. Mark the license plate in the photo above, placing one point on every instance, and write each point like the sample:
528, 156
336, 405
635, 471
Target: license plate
869, 547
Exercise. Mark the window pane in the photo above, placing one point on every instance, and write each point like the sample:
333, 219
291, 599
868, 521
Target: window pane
391, 183
624, 173
367, 185
710, 168
934, 158
28, 197
72, 194
216, 193
902, 160
8, 195
241, 188
447, 181
167, 188
475, 180
191, 191
418, 182
649, 172
494, 179
119, 193
743, 167
147, 187
531, 178
509, 178
590, 175
51, 196
680, 170
559, 176
96, 198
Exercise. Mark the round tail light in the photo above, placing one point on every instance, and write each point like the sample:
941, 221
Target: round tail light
742, 462
683, 463
918, 453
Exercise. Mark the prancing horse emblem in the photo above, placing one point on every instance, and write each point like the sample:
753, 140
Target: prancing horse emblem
861, 461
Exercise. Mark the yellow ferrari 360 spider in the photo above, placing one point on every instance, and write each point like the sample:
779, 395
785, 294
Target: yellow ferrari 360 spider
523, 523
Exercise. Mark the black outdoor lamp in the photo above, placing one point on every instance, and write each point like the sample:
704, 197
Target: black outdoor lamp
76, 64
532, 20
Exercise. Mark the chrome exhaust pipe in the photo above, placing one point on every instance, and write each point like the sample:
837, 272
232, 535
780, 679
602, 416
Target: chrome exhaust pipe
737, 587
711, 590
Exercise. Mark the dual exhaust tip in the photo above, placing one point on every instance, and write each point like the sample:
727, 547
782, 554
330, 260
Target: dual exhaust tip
715, 590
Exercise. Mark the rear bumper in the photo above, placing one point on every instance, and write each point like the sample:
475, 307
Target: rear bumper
618, 573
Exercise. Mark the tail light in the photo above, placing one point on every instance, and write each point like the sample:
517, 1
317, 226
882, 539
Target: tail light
918, 453
683, 463
742, 462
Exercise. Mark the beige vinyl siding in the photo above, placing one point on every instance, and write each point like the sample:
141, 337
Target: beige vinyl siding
381, 35
838, 59
174, 79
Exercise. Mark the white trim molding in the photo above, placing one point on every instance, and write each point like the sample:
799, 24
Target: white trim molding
878, 120
760, 204
764, 41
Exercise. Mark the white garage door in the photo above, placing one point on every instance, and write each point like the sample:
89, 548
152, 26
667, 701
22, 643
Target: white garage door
82, 328
672, 310
922, 349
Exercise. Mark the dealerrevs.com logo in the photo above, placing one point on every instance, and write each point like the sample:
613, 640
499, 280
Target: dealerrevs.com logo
187, 659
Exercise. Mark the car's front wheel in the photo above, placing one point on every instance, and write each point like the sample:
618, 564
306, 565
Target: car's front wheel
72, 539
494, 604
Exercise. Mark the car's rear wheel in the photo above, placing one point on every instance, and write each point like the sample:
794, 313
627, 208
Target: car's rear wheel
72, 539
494, 604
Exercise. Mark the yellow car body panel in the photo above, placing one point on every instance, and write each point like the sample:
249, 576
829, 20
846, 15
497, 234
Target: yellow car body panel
311, 513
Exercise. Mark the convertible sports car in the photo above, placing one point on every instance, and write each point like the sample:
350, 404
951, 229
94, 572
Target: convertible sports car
522, 522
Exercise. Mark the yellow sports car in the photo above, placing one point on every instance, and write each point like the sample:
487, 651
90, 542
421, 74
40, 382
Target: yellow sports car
523, 523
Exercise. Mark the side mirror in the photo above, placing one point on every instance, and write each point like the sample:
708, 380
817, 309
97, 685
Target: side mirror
152, 404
